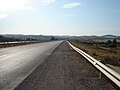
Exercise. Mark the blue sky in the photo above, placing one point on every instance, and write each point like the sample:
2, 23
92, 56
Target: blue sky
60, 17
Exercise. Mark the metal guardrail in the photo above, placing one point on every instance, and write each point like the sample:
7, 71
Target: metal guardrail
17, 42
111, 74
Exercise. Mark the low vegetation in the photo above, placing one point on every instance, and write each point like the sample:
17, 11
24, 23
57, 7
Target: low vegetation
107, 52
6, 39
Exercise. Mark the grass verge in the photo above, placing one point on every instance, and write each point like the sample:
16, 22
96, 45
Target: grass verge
105, 55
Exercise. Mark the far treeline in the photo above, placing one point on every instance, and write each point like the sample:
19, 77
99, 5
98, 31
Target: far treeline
6, 39
109, 43
9, 39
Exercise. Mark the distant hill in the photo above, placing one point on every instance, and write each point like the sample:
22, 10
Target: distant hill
7, 39
64, 37
109, 36
118, 38
24, 37
104, 37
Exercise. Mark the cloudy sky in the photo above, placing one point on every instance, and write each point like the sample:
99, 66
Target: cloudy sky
60, 17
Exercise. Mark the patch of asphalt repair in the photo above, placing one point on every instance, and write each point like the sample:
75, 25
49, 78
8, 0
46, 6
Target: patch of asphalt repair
65, 69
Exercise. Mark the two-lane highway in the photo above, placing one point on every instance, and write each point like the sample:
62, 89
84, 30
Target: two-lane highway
16, 63
65, 69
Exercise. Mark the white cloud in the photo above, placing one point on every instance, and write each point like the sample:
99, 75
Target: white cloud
47, 2
7, 6
3, 16
71, 5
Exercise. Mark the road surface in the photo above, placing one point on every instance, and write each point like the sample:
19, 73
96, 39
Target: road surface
65, 69
16, 63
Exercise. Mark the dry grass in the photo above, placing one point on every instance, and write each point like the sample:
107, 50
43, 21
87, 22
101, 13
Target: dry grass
105, 55
104, 40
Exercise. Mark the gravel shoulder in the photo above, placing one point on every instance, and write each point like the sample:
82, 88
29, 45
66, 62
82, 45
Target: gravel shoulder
65, 69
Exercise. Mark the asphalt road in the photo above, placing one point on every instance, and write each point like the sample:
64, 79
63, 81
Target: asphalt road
65, 69
16, 63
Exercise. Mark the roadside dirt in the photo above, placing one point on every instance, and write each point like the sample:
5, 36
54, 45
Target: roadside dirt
65, 69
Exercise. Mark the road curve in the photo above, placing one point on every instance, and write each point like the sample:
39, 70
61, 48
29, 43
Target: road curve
16, 63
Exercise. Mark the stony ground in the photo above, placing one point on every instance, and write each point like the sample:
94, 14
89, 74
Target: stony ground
64, 69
